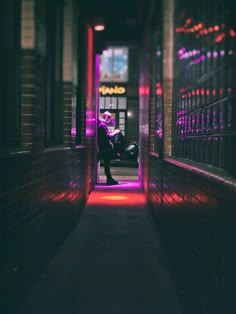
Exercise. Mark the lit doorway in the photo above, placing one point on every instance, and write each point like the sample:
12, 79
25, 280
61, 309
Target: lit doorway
125, 167
118, 96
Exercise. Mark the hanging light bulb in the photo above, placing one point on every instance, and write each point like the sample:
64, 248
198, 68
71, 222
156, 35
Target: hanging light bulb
99, 24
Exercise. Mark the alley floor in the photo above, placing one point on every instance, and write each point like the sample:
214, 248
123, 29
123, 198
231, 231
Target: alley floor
111, 263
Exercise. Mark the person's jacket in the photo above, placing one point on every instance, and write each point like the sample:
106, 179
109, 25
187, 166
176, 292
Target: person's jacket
104, 137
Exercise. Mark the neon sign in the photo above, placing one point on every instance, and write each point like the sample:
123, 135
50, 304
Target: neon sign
104, 90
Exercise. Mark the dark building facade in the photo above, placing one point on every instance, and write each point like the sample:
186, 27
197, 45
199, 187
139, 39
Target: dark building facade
188, 134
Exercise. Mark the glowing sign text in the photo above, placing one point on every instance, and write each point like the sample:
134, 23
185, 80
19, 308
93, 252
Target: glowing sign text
104, 90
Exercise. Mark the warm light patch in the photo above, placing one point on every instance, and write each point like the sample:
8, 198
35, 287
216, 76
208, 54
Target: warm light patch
99, 27
112, 90
115, 197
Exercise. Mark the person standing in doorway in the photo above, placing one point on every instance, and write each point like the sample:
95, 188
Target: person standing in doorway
105, 145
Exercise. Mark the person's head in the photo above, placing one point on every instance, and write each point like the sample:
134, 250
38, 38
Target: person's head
107, 116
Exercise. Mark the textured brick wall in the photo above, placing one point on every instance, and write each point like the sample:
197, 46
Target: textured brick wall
32, 99
152, 97
69, 96
195, 213
168, 44
28, 24
41, 198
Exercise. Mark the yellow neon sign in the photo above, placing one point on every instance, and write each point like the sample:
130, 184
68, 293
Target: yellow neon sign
104, 90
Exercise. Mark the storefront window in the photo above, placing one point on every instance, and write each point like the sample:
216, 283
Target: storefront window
114, 65
203, 96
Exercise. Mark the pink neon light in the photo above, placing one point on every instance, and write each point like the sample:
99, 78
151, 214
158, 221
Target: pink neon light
89, 67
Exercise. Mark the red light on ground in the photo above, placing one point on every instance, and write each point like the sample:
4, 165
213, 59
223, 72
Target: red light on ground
112, 198
115, 197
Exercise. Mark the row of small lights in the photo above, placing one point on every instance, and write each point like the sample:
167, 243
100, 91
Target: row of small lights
199, 123
145, 90
201, 30
194, 92
183, 54
203, 91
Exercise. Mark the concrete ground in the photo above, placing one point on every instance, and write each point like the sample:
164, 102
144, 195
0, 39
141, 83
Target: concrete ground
120, 173
112, 262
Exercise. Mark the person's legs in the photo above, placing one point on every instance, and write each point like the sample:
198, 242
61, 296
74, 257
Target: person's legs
107, 171
107, 167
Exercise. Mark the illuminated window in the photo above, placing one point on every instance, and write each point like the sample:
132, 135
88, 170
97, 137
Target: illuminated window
204, 93
114, 65
122, 102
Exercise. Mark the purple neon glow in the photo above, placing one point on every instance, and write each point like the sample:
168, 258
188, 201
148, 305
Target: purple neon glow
90, 115
73, 132
206, 120
222, 53
90, 123
183, 54
122, 184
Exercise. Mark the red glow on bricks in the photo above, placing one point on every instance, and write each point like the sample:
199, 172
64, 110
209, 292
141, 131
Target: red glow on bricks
174, 198
65, 196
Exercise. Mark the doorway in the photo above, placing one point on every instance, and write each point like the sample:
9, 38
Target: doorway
125, 167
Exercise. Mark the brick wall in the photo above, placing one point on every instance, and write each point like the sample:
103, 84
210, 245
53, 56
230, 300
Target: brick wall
32, 99
41, 198
168, 44
195, 213
69, 112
